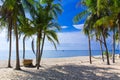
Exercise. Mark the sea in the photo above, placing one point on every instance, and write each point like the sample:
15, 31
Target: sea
52, 54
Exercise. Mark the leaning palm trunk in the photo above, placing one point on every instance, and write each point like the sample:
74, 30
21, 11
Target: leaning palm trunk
119, 35
113, 45
10, 46
42, 46
119, 27
89, 48
101, 49
107, 55
17, 48
24, 47
38, 50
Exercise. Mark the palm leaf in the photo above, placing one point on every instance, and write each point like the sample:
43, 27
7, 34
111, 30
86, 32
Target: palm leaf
51, 40
32, 44
79, 16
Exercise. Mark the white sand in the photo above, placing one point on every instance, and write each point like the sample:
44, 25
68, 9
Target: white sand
74, 68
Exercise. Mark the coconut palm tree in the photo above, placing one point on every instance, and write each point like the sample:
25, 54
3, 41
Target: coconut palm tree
53, 10
51, 35
12, 9
41, 17
101, 48
97, 8
6, 17
90, 18
111, 17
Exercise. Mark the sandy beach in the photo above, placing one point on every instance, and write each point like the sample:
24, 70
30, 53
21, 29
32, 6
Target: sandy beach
73, 68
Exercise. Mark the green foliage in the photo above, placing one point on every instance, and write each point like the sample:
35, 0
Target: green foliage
105, 53
79, 16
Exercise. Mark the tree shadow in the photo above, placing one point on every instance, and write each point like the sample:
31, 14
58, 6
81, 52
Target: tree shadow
71, 72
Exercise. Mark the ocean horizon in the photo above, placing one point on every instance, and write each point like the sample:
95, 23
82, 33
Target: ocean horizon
52, 54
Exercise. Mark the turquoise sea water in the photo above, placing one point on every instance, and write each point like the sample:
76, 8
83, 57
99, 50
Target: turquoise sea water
52, 54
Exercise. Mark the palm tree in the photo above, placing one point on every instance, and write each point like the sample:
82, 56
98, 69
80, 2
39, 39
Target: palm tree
111, 17
101, 49
90, 19
11, 10
104, 32
99, 38
105, 44
86, 31
51, 36
7, 17
96, 8
24, 46
38, 22
52, 10
113, 45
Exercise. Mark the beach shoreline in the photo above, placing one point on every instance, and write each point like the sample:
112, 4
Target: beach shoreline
71, 68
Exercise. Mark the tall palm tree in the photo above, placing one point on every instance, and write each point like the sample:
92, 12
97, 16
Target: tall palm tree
51, 36
90, 19
113, 45
111, 17
88, 30
12, 10
97, 8
38, 22
24, 46
101, 48
52, 10
6, 16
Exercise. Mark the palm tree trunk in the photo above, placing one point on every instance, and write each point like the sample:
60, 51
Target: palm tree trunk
108, 62
119, 28
24, 47
42, 46
17, 48
38, 51
89, 42
119, 36
113, 45
10, 46
101, 49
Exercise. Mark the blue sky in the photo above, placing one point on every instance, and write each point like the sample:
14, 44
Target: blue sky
70, 9
71, 36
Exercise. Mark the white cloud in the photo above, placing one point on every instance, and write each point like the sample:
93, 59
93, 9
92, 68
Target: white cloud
72, 41
64, 27
71, 37
79, 26
68, 41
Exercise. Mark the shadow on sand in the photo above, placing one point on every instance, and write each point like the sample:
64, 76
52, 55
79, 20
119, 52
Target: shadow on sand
71, 72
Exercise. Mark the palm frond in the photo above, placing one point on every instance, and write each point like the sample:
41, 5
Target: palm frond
32, 44
51, 40
79, 16
53, 35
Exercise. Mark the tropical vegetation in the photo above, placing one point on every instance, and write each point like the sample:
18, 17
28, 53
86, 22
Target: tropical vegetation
41, 23
102, 19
